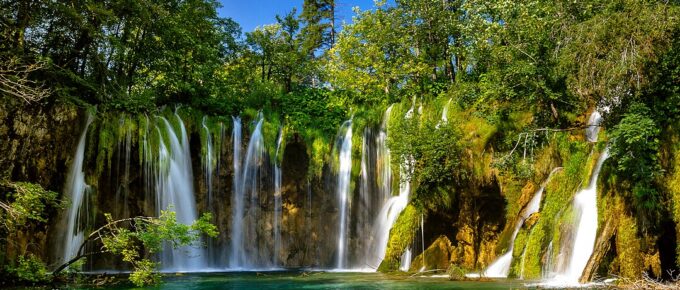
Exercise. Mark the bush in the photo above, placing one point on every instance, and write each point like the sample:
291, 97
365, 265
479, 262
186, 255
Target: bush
29, 269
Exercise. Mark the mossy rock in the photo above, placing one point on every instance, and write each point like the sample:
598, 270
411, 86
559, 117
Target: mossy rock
436, 256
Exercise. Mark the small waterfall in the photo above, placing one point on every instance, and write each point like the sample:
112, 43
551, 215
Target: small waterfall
363, 211
445, 115
422, 240
210, 167
148, 161
386, 218
76, 191
208, 162
343, 187
123, 179
593, 128
175, 189
278, 203
235, 258
581, 248
390, 206
246, 216
405, 263
501, 267
547, 268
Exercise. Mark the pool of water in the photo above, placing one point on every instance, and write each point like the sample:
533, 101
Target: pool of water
318, 280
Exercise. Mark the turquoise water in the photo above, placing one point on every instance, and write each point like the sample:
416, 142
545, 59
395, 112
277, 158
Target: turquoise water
318, 280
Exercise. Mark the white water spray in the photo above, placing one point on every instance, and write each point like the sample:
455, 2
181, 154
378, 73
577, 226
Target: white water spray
76, 190
342, 190
501, 267
175, 191
278, 203
581, 248
593, 128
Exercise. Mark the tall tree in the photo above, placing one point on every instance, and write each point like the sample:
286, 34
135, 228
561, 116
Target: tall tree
318, 17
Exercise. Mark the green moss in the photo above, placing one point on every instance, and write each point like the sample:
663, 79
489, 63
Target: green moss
531, 260
556, 208
401, 236
108, 128
628, 248
673, 184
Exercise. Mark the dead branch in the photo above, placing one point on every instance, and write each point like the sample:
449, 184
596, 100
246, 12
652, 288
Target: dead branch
14, 81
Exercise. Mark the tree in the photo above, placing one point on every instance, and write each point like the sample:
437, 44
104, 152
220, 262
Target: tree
134, 239
319, 29
374, 56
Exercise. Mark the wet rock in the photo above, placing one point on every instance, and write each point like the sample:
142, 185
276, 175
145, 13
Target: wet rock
532, 220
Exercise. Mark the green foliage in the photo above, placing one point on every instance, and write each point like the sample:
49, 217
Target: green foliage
29, 203
135, 240
428, 153
636, 151
636, 144
145, 273
29, 268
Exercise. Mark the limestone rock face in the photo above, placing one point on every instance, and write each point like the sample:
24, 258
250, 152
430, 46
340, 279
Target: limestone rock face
36, 145
437, 256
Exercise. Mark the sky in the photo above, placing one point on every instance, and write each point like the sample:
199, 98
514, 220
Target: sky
253, 13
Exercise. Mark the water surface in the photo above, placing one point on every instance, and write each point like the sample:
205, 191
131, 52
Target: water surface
318, 280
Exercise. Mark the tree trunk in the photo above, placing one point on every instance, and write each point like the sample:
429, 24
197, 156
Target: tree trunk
602, 247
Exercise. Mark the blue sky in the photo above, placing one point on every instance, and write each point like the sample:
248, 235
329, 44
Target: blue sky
252, 13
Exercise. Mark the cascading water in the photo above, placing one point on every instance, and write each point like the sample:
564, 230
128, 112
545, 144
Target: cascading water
593, 127
405, 262
246, 216
235, 257
501, 267
76, 190
445, 115
343, 187
175, 190
386, 218
391, 206
123, 190
547, 267
278, 203
208, 164
422, 240
585, 205
581, 248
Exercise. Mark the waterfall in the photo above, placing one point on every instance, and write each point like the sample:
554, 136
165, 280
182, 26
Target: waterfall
390, 206
581, 248
501, 267
76, 190
343, 187
278, 209
123, 188
388, 215
547, 268
245, 216
210, 167
405, 263
445, 115
369, 198
593, 127
422, 239
208, 164
237, 208
175, 190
